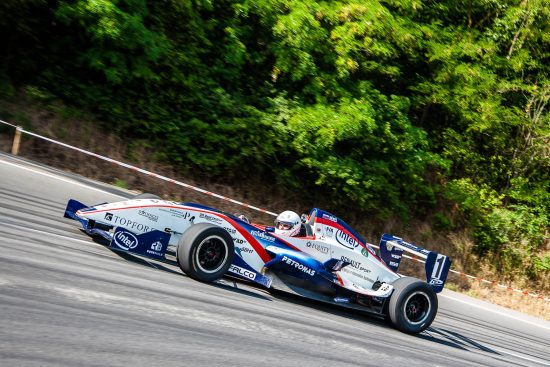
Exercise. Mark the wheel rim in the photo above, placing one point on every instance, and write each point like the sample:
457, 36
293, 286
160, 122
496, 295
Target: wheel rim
211, 254
417, 307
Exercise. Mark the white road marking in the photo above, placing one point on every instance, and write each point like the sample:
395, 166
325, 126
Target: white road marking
58, 178
52, 234
539, 361
4, 282
494, 311
468, 345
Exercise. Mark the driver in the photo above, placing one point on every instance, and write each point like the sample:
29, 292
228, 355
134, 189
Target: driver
288, 223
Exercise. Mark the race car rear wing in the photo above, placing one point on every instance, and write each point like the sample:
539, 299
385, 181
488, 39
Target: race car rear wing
436, 266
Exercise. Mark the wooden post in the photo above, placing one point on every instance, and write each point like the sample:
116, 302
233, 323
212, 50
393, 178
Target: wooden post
16, 141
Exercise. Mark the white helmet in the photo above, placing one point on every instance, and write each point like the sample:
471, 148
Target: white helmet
287, 224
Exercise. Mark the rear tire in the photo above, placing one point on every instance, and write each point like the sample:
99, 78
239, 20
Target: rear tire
413, 305
146, 195
205, 252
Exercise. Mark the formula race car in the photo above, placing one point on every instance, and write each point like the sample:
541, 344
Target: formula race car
329, 261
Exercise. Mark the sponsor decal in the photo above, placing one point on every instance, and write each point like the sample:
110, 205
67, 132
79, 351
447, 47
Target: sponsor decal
178, 213
210, 218
395, 256
246, 249
238, 240
355, 264
242, 272
393, 263
128, 223
354, 273
299, 266
330, 217
230, 230
384, 288
151, 217
157, 246
344, 239
319, 247
436, 282
364, 252
341, 299
329, 231
155, 249
262, 235
125, 240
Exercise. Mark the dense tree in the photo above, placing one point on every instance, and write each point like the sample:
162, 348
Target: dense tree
402, 108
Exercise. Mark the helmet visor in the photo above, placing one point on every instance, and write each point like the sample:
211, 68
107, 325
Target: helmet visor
285, 226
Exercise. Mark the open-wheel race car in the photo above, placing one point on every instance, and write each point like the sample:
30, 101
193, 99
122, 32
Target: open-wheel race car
328, 261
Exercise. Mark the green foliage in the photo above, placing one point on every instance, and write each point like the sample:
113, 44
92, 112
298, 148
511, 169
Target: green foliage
392, 108
511, 234
120, 183
442, 222
542, 265
39, 94
121, 47
368, 153
474, 200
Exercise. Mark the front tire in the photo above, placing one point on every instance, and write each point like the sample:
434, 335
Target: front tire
205, 252
413, 305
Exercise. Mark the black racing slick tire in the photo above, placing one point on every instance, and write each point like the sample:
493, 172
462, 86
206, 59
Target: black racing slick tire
205, 252
413, 305
146, 195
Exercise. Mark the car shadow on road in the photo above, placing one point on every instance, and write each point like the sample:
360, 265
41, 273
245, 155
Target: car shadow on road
432, 334
329, 308
453, 339
236, 286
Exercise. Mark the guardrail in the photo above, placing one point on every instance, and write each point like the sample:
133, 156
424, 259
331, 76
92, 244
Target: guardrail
15, 151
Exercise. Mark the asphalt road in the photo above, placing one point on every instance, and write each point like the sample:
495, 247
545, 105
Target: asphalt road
68, 301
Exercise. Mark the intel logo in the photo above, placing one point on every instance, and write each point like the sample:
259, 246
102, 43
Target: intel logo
346, 240
125, 240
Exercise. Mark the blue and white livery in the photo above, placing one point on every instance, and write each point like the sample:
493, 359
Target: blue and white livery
328, 261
